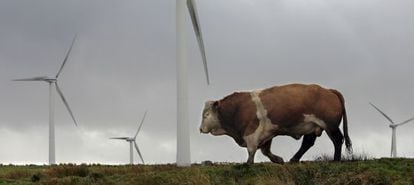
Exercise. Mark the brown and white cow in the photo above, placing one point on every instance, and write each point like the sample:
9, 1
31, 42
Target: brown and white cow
252, 119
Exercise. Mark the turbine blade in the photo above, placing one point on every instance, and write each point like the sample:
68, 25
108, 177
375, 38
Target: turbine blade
66, 103
411, 119
388, 118
142, 121
66, 57
121, 138
139, 153
39, 78
192, 8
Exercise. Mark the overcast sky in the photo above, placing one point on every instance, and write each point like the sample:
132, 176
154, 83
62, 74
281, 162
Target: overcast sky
123, 63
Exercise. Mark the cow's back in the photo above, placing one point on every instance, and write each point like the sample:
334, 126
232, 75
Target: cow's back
287, 105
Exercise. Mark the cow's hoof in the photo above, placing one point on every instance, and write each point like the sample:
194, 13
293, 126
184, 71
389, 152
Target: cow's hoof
277, 160
249, 162
280, 161
293, 160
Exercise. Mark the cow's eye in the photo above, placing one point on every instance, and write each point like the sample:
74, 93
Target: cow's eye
206, 114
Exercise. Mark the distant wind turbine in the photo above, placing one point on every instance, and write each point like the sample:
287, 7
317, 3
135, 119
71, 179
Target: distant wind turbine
53, 83
183, 131
133, 142
393, 126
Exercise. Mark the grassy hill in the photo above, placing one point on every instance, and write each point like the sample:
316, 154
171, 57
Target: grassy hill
379, 171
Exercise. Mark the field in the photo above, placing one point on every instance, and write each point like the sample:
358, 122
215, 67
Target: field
377, 171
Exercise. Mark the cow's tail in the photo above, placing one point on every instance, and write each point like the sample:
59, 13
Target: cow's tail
348, 142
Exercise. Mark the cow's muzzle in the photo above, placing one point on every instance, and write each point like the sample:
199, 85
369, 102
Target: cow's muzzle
204, 130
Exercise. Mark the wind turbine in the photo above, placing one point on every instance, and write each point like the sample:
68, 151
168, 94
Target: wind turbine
53, 84
183, 130
393, 126
132, 141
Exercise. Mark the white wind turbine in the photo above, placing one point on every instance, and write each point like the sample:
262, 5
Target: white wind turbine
133, 142
53, 83
393, 126
183, 131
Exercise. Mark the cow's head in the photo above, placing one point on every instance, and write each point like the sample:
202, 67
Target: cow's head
210, 122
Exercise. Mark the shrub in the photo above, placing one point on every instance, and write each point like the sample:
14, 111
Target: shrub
36, 177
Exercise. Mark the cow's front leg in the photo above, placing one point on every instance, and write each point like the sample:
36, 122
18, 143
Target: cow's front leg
251, 143
265, 148
252, 151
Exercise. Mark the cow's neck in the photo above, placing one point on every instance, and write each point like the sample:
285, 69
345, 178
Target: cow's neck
228, 109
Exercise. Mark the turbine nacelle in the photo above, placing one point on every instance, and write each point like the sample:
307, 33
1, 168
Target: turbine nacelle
51, 80
393, 126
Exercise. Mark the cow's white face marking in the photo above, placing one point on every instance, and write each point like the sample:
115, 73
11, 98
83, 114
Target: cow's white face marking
265, 129
210, 122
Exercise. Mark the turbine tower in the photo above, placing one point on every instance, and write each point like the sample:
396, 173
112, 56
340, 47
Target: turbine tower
183, 126
53, 84
393, 126
132, 142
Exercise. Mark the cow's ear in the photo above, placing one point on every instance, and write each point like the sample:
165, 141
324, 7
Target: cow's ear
216, 105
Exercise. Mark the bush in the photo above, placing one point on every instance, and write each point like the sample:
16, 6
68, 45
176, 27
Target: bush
36, 177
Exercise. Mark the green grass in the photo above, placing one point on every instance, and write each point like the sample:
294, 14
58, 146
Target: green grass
378, 171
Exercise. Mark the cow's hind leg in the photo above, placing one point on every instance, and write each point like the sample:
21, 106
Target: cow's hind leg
308, 141
265, 148
337, 139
